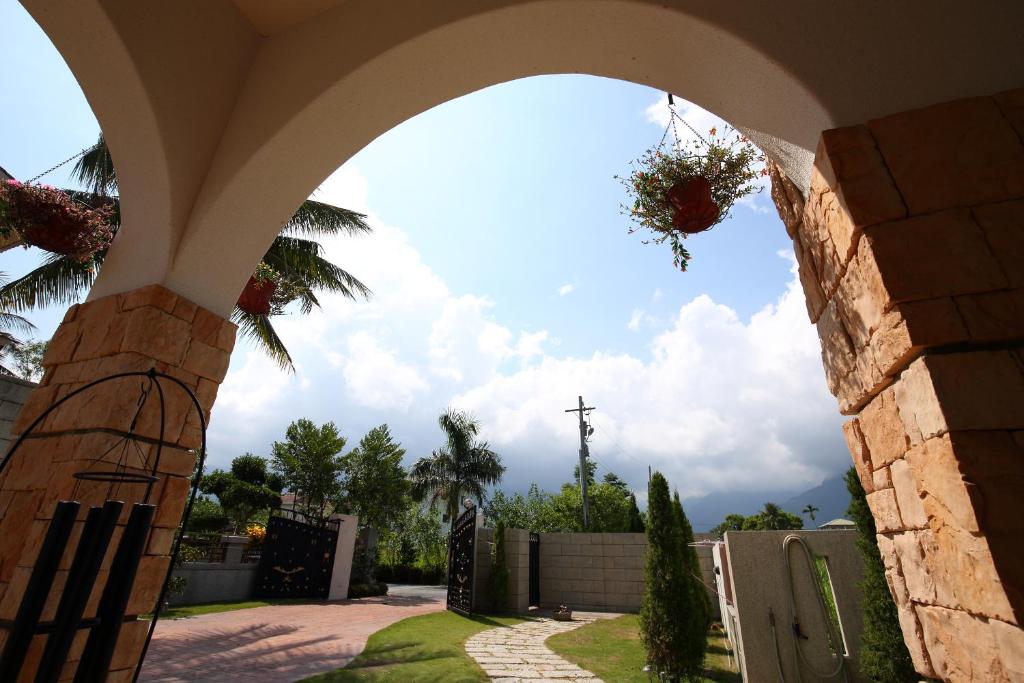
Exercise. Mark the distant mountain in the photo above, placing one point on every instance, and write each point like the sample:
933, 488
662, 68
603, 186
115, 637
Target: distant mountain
830, 497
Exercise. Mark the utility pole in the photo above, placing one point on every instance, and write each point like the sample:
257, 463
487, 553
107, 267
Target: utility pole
585, 431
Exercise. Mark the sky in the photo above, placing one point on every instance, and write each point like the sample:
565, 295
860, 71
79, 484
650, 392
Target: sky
505, 283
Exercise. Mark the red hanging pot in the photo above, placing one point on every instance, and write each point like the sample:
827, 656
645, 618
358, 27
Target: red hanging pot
256, 296
693, 209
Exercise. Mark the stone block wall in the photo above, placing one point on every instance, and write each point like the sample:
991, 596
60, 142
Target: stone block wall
13, 393
910, 246
602, 572
150, 327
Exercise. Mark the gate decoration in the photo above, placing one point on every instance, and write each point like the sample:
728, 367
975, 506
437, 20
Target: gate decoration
297, 557
534, 569
461, 555
128, 472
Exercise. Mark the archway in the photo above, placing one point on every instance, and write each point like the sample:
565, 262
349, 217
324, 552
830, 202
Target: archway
922, 346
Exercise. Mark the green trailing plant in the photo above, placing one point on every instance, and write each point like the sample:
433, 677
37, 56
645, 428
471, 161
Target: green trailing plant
673, 642
497, 580
883, 653
727, 160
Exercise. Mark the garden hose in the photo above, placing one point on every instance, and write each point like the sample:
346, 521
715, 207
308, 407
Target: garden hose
834, 638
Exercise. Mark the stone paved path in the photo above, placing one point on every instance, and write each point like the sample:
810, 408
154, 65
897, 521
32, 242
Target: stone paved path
276, 644
514, 654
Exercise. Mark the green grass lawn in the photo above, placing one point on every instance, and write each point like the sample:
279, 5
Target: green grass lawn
214, 607
611, 649
423, 649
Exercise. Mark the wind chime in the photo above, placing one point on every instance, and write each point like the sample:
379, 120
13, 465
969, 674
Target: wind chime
125, 468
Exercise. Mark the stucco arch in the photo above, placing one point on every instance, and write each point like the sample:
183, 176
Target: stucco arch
287, 134
223, 115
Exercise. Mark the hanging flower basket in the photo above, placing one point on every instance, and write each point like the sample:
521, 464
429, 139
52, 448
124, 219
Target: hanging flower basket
50, 219
688, 186
257, 297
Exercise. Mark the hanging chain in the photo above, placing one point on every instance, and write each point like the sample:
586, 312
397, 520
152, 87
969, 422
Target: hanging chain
673, 116
66, 161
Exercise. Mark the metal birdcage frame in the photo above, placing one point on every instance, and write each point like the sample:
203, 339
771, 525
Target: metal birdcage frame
96, 537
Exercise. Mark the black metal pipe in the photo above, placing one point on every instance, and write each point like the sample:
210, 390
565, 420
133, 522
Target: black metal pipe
26, 622
99, 648
99, 528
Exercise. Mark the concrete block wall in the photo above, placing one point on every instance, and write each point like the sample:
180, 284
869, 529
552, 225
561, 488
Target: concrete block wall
517, 559
13, 392
602, 572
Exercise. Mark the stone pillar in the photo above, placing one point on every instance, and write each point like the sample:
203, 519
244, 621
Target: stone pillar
911, 254
341, 573
150, 327
234, 548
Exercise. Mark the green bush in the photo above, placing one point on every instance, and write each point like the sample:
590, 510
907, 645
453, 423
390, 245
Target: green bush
497, 580
672, 617
367, 590
883, 654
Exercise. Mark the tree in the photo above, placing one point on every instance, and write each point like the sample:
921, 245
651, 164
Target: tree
692, 561
770, 518
733, 522
636, 519
591, 473
375, 484
883, 653
298, 261
10, 347
463, 466
531, 512
310, 464
616, 483
497, 580
668, 629
27, 359
243, 490
207, 515
809, 510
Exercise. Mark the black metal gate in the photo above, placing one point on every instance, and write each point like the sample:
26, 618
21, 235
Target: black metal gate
534, 570
297, 558
461, 551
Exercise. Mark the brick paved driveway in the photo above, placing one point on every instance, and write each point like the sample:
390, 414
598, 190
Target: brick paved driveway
280, 643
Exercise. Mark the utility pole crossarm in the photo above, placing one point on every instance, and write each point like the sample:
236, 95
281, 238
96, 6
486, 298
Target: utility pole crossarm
584, 455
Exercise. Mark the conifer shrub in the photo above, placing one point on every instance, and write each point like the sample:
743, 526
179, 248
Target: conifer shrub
672, 618
692, 563
883, 653
497, 581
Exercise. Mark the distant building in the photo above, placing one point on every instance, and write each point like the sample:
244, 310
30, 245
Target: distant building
839, 523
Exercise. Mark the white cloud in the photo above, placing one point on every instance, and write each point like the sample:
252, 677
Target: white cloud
720, 403
566, 289
716, 402
376, 378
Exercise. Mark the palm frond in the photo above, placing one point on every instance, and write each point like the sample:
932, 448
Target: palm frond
95, 169
319, 219
15, 323
259, 329
59, 280
299, 260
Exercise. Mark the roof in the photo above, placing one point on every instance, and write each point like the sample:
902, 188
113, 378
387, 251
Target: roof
838, 523
4, 175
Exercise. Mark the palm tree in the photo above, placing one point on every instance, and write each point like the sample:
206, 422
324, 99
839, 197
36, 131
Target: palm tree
9, 344
809, 510
772, 515
298, 259
463, 465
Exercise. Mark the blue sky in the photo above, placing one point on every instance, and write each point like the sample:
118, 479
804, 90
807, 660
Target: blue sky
506, 284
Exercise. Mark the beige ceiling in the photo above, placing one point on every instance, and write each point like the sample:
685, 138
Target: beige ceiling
274, 16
